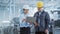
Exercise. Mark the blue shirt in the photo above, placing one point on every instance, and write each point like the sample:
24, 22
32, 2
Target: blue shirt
24, 23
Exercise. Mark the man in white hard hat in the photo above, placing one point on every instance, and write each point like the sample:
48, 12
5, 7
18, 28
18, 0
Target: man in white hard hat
24, 25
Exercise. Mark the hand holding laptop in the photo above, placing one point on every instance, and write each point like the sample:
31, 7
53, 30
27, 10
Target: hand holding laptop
23, 20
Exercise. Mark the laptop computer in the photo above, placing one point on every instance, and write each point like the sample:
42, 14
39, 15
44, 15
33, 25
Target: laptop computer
30, 19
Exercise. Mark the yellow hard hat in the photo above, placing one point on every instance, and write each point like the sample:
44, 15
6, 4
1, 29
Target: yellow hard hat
39, 4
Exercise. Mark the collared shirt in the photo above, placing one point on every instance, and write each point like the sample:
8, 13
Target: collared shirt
24, 23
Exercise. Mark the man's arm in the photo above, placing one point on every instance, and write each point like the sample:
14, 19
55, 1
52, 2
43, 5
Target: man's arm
47, 21
36, 22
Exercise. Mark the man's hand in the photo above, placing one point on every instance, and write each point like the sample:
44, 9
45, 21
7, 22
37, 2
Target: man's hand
36, 24
46, 31
23, 20
30, 22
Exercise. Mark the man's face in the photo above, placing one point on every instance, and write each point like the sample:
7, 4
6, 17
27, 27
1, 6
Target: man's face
26, 11
39, 8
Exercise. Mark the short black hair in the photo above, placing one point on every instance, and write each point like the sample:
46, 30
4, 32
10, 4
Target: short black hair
23, 9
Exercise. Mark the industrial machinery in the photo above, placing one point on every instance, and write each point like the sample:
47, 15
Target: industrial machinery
56, 22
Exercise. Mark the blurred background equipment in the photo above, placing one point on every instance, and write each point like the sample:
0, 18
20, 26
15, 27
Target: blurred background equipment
56, 22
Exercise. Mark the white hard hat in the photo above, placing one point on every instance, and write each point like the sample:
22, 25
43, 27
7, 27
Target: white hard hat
26, 7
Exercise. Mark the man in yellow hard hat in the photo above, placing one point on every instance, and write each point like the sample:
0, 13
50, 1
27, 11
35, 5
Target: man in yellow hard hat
42, 19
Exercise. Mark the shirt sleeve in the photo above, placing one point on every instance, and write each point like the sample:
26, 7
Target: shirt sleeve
47, 21
35, 15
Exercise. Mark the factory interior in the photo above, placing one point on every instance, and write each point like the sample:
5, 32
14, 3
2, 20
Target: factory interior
10, 10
